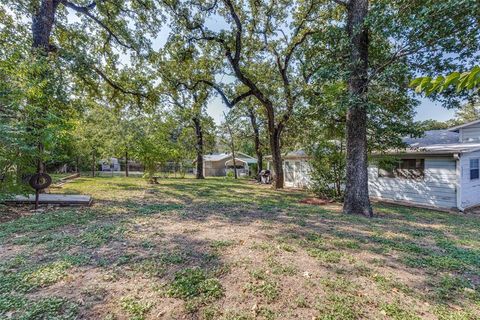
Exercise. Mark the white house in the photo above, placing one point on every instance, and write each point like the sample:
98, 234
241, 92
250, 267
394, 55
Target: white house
219, 164
440, 169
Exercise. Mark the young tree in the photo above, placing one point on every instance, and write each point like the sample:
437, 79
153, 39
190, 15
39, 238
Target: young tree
229, 138
251, 130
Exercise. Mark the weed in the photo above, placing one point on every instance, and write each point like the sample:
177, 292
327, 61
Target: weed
346, 244
325, 256
267, 289
396, 312
98, 235
135, 307
266, 313
220, 244
449, 286
338, 306
158, 208
48, 308
150, 267
147, 244
48, 274
195, 287
301, 302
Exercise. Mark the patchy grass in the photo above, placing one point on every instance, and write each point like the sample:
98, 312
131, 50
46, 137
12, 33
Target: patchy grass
136, 308
226, 249
195, 287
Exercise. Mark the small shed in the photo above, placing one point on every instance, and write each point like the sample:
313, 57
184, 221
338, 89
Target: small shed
219, 164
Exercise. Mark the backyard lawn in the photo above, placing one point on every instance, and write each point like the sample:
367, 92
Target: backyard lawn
225, 249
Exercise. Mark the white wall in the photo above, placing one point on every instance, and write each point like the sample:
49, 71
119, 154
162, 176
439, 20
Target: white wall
298, 174
438, 188
470, 189
470, 133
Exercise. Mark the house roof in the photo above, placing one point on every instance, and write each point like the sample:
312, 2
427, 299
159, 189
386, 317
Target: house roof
215, 156
243, 160
468, 124
433, 137
297, 154
447, 148
437, 142
222, 156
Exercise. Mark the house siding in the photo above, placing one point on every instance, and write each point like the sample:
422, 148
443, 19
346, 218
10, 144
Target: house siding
437, 189
469, 189
470, 133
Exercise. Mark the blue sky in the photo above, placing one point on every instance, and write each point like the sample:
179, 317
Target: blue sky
433, 110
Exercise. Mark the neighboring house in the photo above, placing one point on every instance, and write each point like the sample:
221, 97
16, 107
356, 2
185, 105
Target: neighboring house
110, 165
219, 164
296, 169
441, 170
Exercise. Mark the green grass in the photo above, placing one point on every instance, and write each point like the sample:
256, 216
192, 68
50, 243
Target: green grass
196, 287
136, 308
156, 250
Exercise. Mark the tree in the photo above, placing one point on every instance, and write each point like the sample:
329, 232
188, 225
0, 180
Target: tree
60, 48
260, 52
184, 73
469, 112
251, 110
93, 134
229, 138
356, 187
418, 35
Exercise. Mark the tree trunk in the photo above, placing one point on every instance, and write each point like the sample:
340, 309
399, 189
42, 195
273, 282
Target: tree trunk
256, 137
277, 159
274, 133
356, 192
42, 24
232, 146
199, 148
93, 164
126, 163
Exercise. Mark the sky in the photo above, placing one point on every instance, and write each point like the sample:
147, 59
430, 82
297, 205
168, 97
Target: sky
427, 109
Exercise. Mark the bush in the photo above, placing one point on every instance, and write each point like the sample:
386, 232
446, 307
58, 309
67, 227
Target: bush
328, 170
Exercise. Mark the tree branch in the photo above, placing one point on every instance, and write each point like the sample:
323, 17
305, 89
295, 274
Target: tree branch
229, 103
86, 11
117, 86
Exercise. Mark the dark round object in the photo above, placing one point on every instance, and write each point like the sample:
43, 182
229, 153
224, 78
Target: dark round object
40, 181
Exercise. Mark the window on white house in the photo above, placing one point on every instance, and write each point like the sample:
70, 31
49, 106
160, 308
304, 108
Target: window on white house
403, 168
474, 169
